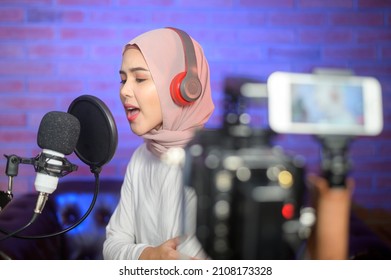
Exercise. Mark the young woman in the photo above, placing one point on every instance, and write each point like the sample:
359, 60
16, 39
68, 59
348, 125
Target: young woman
148, 221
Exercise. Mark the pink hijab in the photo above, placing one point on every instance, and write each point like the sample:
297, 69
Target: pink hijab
163, 51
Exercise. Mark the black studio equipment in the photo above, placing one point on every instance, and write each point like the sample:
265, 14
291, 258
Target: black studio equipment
249, 194
251, 198
89, 130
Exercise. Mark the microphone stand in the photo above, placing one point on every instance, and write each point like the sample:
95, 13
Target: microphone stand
96, 171
335, 160
41, 164
12, 169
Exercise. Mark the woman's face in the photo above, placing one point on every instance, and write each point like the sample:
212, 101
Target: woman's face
138, 93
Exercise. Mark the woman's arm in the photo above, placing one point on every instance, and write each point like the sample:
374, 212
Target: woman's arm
120, 240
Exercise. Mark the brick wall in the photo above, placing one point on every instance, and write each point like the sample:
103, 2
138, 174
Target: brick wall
52, 51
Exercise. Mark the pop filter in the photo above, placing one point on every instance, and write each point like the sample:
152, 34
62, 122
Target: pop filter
98, 132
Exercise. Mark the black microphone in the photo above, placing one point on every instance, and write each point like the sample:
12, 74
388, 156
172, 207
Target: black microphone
57, 135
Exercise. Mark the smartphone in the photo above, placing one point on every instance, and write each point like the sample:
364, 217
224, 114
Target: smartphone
322, 104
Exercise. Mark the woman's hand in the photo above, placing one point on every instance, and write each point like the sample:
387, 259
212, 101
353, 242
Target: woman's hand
165, 251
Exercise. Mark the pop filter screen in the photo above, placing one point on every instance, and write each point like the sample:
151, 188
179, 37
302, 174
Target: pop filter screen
98, 132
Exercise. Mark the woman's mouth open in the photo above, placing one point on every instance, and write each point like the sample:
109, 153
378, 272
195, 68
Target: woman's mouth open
131, 112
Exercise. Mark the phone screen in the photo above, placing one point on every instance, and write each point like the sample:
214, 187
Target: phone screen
327, 103
324, 104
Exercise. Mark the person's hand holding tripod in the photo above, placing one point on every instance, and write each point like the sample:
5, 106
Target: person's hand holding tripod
330, 237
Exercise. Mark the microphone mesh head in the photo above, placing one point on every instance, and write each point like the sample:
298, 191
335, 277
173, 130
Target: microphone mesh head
59, 132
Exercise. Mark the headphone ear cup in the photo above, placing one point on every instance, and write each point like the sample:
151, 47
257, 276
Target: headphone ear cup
175, 89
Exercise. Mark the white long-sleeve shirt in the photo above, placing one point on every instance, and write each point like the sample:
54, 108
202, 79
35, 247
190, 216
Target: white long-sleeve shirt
150, 210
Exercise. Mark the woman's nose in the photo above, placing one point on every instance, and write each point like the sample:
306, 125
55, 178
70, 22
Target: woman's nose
126, 91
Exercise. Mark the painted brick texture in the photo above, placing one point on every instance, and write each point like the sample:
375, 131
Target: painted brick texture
52, 51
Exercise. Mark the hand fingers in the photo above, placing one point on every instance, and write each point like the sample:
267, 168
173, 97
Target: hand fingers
172, 243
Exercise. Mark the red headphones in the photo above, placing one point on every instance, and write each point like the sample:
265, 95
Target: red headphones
186, 87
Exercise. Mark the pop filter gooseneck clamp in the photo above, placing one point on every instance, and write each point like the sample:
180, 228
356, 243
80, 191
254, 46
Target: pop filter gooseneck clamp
96, 145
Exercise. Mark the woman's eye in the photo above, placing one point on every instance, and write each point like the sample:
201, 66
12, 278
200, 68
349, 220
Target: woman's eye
138, 80
122, 82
